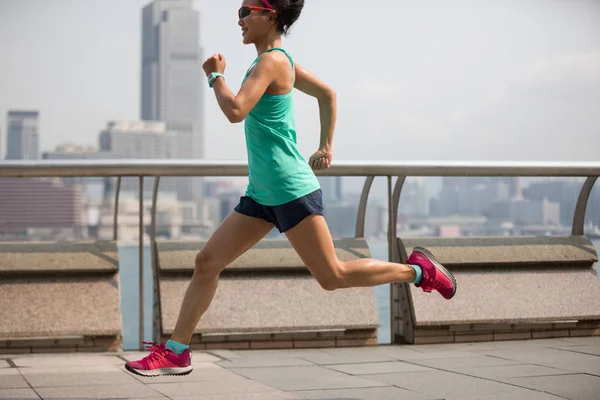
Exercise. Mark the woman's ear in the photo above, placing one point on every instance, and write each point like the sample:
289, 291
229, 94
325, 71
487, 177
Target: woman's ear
273, 18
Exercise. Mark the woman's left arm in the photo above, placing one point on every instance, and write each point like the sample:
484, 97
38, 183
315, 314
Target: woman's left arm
236, 108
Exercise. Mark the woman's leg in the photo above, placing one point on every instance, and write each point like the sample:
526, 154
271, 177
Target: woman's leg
235, 236
313, 243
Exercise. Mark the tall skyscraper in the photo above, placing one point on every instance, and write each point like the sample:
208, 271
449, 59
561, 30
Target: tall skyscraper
172, 79
22, 137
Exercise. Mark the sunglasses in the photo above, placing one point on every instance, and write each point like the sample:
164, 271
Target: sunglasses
244, 11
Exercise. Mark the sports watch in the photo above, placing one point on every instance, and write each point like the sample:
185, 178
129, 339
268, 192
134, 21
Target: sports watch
213, 77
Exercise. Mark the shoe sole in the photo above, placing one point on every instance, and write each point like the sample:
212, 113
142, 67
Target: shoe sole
160, 372
439, 266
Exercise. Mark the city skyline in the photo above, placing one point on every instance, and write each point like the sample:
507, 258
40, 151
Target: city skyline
450, 88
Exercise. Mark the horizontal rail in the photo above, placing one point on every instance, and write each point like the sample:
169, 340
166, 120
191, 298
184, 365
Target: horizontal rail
111, 168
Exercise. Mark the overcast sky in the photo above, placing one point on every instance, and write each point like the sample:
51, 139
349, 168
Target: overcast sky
416, 80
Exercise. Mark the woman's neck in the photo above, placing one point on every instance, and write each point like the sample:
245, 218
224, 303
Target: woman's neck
269, 42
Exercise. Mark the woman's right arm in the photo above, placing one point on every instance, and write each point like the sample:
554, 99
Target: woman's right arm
311, 85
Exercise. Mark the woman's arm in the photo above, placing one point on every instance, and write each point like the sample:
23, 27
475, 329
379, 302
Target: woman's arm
236, 108
313, 86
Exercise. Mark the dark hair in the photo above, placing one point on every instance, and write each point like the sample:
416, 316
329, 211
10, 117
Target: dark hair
288, 12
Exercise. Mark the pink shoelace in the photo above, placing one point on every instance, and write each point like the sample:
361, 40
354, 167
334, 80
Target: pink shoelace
157, 351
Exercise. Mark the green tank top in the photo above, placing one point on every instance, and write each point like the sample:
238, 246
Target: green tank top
278, 173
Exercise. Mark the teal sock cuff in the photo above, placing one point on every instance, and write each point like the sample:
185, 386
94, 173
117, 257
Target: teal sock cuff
418, 272
175, 347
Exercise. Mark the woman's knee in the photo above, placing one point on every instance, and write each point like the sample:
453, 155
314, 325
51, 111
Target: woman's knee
206, 266
334, 278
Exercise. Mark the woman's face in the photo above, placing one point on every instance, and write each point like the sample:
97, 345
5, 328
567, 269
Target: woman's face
255, 19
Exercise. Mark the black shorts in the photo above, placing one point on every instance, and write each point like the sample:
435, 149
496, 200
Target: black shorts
285, 216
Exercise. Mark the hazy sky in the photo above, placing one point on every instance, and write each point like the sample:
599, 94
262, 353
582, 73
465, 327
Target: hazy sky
416, 80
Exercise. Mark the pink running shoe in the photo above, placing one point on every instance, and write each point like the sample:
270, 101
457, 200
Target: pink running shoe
161, 361
435, 276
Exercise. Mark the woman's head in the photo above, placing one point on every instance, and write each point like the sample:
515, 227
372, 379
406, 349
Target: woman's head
259, 18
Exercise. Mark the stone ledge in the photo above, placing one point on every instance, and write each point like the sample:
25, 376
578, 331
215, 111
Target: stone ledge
445, 334
35, 258
83, 344
290, 303
495, 252
267, 255
512, 296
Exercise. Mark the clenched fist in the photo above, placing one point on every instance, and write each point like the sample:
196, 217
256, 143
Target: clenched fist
216, 63
321, 159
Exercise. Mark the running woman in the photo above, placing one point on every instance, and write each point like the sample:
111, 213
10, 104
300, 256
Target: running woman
283, 191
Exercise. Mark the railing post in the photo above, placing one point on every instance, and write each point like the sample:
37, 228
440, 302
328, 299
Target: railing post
579, 216
141, 264
362, 208
156, 304
116, 216
399, 292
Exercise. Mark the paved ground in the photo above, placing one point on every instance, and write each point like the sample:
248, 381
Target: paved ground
530, 370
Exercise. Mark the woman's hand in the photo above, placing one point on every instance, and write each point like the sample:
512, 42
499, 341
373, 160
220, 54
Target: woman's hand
321, 159
216, 63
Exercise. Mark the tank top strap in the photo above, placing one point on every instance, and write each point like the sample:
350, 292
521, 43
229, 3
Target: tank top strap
268, 51
284, 52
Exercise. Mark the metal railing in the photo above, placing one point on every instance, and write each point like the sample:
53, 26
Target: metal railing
370, 170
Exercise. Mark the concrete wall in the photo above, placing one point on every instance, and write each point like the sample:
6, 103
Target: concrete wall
508, 288
268, 299
59, 297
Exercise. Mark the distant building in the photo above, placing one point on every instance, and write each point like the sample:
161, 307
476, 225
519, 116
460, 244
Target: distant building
22, 135
139, 140
172, 83
40, 209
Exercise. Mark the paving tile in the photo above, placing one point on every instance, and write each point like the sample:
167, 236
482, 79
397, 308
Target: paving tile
347, 357
305, 378
592, 350
511, 371
276, 395
63, 361
197, 375
4, 364
80, 379
88, 369
393, 351
9, 371
149, 398
247, 362
453, 364
29, 394
281, 353
502, 344
12, 381
426, 355
566, 360
451, 386
586, 340
232, 384
377, 368
95, 392
574, 387
224, 354
383, 393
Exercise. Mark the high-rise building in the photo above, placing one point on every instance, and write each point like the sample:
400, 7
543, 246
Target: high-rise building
172, 80
139, 140
40, 208
22, 135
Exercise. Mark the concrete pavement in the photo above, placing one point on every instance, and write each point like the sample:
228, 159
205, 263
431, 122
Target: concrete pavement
566, 368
